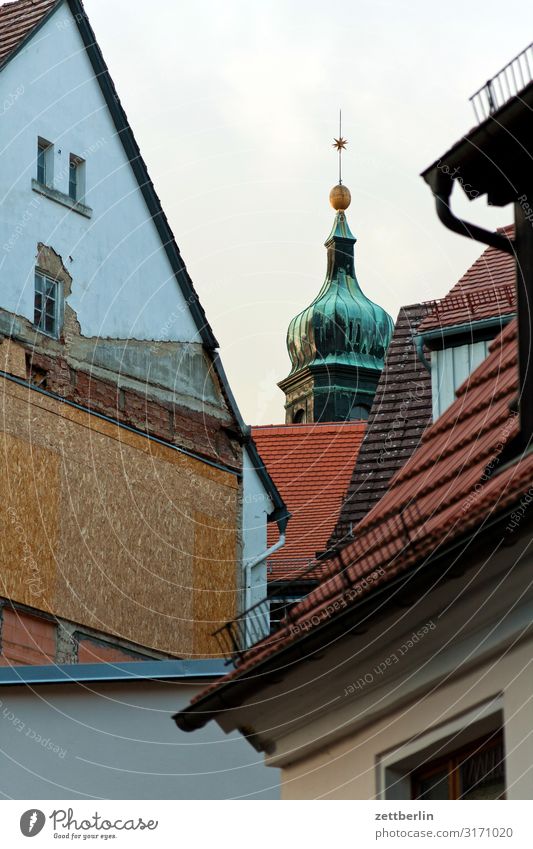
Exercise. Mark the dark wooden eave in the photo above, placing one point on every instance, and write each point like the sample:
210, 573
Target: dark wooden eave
486, 161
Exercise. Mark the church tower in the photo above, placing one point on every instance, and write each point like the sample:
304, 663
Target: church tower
337, 344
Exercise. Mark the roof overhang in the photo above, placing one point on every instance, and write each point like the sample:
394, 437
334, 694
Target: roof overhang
463, 334
493, 157
399, 591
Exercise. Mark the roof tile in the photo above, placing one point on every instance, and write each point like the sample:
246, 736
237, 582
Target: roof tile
486, 290
399, 414
442, 492
17, 20
311, 466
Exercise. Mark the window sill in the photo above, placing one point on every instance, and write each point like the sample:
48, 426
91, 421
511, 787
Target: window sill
59, 197
46, 333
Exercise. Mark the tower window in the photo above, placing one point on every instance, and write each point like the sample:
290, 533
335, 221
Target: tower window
298, 417
45, 162
47, 305
76, 179
359, 412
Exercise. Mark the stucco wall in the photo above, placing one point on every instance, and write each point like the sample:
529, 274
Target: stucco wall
118, 741
257, 505
349, 769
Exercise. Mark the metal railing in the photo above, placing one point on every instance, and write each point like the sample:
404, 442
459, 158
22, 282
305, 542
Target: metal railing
253, 625
507, 83
502, 296
377, 545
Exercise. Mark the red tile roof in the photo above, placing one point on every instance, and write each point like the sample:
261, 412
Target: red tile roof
311, 466
400, 412
441, 493
486, 290
17, 20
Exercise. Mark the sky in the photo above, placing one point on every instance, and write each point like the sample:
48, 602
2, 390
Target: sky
235, 106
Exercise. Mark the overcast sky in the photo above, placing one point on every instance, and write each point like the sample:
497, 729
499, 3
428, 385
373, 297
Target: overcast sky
235, 104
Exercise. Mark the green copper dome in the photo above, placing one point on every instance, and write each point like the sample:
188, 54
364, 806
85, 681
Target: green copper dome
341, 327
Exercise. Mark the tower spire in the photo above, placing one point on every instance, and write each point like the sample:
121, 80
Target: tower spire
337, 344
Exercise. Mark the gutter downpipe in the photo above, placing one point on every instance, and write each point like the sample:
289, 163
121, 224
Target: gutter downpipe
273, 548
522, 250
248, 566
442, 186
442, 192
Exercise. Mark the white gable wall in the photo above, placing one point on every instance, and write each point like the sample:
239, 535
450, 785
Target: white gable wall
257, 506
123, 284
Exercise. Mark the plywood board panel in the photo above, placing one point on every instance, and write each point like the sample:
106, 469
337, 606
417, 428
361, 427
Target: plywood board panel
125, 530
215, 579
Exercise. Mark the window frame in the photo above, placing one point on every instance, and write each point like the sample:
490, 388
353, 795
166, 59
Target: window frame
41, 278
395, 766
45, 162
76, 169
452, 762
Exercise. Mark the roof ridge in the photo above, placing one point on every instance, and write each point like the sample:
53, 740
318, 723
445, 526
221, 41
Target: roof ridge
312, 425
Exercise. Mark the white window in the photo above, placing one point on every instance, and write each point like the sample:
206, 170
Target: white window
462, 759
45, 162
48, 305
450, 368
76, 179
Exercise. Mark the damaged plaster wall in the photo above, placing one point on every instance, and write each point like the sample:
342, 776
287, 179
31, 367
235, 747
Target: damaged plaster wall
180, 369
123, 285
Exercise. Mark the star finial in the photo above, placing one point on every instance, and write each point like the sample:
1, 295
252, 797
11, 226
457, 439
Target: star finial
340, 144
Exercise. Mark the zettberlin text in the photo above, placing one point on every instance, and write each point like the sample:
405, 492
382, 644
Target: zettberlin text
400, 815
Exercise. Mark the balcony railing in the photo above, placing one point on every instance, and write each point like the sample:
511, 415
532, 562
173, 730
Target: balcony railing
380, 543
507, 83
252, 626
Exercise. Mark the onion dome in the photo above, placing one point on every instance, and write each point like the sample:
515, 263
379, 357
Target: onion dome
341, 327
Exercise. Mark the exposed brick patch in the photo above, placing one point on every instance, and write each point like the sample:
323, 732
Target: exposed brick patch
147, 415
196, 431
51, 373
27, 640
94, 651
30, 639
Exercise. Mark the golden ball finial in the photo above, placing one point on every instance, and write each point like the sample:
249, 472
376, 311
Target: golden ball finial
340, 197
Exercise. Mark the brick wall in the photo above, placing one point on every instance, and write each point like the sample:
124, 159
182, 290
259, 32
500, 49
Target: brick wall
27, 639
204, 434
94, 651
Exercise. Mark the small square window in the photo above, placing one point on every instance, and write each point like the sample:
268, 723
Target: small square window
76, 178
45, 162
47, 305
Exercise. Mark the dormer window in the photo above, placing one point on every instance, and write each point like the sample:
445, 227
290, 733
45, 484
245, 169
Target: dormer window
76, 179
450, 367
48, 304
45, 162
